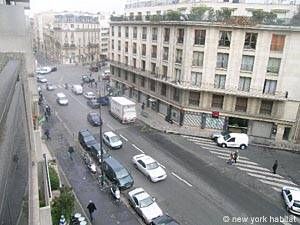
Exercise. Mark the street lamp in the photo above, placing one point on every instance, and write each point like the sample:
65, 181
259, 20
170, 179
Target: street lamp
101, 149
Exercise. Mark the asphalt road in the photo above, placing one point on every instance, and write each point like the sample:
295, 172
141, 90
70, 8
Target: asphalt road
200, 189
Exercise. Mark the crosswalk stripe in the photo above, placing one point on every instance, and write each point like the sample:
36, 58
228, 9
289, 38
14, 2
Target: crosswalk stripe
221, 152
261, 172
271, 183
251, 166
206, 144
196, 138
272, 178
202, 140
277, 189
240, 160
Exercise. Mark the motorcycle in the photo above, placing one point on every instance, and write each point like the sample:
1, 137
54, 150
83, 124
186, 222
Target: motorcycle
92, 168
115, 191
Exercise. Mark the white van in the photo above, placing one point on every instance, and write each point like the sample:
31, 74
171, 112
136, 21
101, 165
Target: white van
61, 99
77, 89
233, 140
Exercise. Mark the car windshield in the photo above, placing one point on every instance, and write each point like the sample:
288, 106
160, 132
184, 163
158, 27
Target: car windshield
227, 136
122, 173
63, 98
152, 166
146, 202
89, 138
296, 204
114, 139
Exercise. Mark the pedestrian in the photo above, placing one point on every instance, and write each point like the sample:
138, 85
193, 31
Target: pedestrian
143, 106
47, 133
275, 166
96, 84
46, 116
71, 151
91, 207
48, 110
235, 156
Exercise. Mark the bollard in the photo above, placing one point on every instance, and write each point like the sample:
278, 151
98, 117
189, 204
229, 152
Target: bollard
62, 220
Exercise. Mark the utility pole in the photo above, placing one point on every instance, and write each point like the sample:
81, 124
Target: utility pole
101, 149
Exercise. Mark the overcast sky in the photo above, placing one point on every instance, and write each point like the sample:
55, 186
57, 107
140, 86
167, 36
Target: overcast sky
77, 5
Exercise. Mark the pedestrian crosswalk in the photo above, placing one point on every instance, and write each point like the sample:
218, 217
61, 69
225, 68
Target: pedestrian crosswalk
244, 164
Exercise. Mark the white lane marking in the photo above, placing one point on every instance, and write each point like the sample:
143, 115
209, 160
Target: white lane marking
271, 183
261, 172
272, 179
137, 148
251, 166
181, 179
200, 140
277, 189
226, 154
161, 165
210, 144
84, 105
216, 149
64, 124
109, 126
240, 160
123, 137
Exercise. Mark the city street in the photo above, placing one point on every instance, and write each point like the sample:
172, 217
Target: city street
200, 188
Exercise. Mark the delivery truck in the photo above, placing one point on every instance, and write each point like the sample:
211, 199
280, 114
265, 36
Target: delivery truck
123, 109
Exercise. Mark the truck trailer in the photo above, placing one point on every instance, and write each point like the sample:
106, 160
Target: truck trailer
123, 109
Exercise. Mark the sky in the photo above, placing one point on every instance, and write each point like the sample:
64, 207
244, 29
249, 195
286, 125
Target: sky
77, 5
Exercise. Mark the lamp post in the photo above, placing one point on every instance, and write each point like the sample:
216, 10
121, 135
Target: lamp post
101, 149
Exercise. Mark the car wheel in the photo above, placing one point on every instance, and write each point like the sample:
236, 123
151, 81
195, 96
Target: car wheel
149, 178
135, 166
223, 145
287, 208
243, 147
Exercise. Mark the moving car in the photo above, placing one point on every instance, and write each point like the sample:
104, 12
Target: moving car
77, 89
234, 140
41, 79
150, 167
117, 173
43, 70
144, 205
96, 153
89, 94
112, 140
103, 100
50, 87
215, 135
86, 139
164, 220
85, 78
94, 119
61, 99
93, 103
291, 196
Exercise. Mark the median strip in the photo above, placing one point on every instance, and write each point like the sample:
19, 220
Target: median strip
179, 178
137, 148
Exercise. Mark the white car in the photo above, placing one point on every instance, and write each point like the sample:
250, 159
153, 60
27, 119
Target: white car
50, 87
291, 196
150, 167
41, 79
89, 94
43, 70
61, 99
144, 205
112, 140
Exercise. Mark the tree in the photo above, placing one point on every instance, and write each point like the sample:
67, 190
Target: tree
296, 18
270, 18
198, 13
258, 15
224, 14
172, 15
211, 14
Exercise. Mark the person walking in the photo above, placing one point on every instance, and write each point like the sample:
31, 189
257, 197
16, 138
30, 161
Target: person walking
47, 133
46, 116
91, 207
235, 156
275, 166
71, 151
143, 106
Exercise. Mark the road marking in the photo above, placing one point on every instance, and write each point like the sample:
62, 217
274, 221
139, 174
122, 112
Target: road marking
272, 178
271, 183
240, 160
109, 126
277, 189
200, 140
261, 172
137, 148
64, 124
216, 149
226, 154
84, 105
253, 167
161, 165
181, 179
123, 137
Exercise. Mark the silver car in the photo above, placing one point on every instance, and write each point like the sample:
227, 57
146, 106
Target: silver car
291, 196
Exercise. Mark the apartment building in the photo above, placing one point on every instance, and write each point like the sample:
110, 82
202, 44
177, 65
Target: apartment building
212, 75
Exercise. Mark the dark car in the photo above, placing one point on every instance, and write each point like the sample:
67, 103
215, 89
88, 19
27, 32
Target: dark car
94, 69
86, 139
93, 103
164, 220
96, 153
103, 100
85, 78
94, 119
53, 69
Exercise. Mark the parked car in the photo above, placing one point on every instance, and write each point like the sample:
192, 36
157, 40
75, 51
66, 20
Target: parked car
89, 94
62, 99
164, 220
215, 135
117, 173
144, 205
103, 100
94, 119
96, 153
149, 167
41, 79
291, 196
43, 70
50, 87
85, 78
112, 140
93, 103
53, 69
77, 89
86, 139
234, 140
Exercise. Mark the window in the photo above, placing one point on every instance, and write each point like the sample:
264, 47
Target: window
119, 45
165, 71
274, 65
112, 44
143, 81
222, 60
112, 31
119, 31
194, 98
126, 32
198, 58
133, 78
196, 78
143, 65
270, 86
119, 58
154, 34
166, 53
134, 48
154, 51
126, 46
163, 90
220, 81
180, 35
166, 34
134, 32
241, 104
152, 85
153, 68
200, 37
244, 83
250, 40
266, 107
247, 63
217, 101
143, 49
126, 60
178, 56
176, 94
224, 38
112, 56
277, 43
144, 33
119, 72
134, 62
126, 75
177, 75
